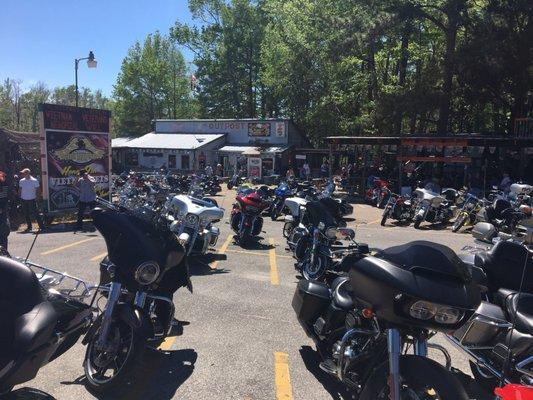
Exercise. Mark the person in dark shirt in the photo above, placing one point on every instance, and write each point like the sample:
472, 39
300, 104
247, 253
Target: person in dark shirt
5, 197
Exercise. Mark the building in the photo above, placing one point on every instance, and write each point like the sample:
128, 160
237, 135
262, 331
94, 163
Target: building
262, 147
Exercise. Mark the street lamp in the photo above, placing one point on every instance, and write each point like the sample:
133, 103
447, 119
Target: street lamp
91, 63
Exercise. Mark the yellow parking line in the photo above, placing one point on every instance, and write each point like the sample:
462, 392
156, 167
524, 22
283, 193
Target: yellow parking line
66, 246
274, 276
99, 256
168, 343
283, 379
254, 253
222, 250
374, 222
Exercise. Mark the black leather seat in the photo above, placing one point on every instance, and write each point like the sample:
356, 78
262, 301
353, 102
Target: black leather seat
504, 266
341, 293
520, 305
26, 319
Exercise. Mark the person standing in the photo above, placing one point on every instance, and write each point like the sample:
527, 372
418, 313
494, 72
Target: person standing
28, 190
87, 196
324, 169
307, 171
209, 171
5, 197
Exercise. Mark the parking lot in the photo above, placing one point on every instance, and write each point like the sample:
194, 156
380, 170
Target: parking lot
240, 338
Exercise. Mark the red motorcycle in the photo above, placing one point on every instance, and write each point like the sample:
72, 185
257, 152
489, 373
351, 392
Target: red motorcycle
378, 195
246, 220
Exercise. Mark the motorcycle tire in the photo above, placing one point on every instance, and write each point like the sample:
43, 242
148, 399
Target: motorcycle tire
287, 229
274, 213
127, 371
418, 375
384, 218
459, 222
230, 185
417, 223
316, 272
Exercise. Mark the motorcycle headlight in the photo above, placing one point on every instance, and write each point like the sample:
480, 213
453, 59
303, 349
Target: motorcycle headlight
441, 314
448, 315
423, 310
147, 273
191, 219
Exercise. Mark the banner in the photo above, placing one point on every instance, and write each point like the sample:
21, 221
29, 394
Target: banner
73, 139
257, 129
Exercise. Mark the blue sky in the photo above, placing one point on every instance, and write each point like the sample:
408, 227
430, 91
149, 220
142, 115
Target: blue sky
41, 38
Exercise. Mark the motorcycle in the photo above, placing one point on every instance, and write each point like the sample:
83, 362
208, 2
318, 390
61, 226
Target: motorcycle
235, 181
378, 193
193, 221
245, 219
318, 247
145, 265
282, 192
467, 215
364, 323
398, 208
431, 207
506, 226
40, 321
498, 338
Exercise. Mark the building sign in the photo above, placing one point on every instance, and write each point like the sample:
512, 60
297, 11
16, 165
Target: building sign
301, 156
73, 139
254, 167
280, 129
258, 129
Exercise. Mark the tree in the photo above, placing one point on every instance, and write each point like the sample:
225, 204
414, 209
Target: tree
152, 83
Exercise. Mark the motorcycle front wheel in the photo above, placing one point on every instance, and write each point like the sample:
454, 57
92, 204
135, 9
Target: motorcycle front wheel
385, 217
459, 222
110, 370
421, 378
314, 271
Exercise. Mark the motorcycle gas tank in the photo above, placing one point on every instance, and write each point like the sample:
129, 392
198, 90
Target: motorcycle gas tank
294, 203
282, 190
185, 204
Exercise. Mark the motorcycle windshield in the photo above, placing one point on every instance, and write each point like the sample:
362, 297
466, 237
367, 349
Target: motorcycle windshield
131, 241
317, 212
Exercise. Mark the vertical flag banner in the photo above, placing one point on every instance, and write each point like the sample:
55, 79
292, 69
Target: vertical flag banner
73, 139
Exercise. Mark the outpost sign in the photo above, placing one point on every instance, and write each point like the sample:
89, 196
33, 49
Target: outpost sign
73, 139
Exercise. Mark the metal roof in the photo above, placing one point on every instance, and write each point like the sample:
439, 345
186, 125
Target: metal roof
242, 148
181, 141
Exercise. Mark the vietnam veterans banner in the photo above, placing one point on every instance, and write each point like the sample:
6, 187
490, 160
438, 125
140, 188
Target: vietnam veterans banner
73, 139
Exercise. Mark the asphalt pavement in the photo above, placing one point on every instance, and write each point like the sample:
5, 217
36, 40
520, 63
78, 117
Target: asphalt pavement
240, 337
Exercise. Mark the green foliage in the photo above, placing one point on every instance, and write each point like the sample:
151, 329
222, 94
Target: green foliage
152, 83
364, 67
19, 107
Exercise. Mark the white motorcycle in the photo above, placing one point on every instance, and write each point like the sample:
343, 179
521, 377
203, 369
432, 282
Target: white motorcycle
193, 221
431, 207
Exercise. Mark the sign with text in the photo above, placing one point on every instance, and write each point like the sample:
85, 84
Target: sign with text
256, 129
73, 139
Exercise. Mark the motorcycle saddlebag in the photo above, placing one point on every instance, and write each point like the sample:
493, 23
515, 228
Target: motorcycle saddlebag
484, 231
487, 322
310, 300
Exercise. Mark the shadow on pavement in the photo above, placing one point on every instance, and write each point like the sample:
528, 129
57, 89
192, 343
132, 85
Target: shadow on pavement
336, 390
199, 265
27, 393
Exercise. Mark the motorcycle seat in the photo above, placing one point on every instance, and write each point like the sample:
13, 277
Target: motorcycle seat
341, 293
520, 305
504, 265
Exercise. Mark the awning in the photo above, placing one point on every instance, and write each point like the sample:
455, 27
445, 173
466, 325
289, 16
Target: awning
235, 149
251, 152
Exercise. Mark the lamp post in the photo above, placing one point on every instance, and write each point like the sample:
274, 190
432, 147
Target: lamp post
91, 63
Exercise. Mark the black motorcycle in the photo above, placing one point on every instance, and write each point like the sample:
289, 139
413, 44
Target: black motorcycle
499, 337
37, 325
364, 324
145, 265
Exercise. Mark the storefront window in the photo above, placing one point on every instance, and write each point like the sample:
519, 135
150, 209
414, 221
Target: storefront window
268, 166
185, 162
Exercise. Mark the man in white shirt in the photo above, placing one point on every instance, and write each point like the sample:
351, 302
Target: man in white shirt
28, 189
